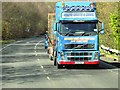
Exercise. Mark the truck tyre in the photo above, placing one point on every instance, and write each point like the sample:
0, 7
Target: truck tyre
59, 66
96, 66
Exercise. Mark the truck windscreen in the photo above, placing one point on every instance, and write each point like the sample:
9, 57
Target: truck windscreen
81, 29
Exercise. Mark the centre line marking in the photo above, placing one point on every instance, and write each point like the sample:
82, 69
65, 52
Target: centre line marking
37, 44
44, 71
48, 78
41, 66
35, 47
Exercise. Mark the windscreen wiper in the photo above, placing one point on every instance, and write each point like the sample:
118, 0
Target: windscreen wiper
68, 33
80, 33
83, 34
79, 46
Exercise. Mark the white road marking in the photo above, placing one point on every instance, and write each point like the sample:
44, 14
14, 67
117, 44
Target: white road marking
7, 46
22, 54
36, 46
15, 43
44, 71
29, 44
38, 59
42, 67
10, 45
109, 70
48, 78
18, 41
112, 71
24, 75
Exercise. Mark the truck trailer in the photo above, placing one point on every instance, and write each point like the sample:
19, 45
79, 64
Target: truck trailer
76, 30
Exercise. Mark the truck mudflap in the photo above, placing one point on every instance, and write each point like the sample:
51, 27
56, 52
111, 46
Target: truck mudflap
75, 62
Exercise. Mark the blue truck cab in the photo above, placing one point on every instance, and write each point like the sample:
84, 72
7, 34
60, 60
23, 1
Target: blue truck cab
77, 33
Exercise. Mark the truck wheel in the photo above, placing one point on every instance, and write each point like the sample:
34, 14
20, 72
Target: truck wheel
59, 66
95, 66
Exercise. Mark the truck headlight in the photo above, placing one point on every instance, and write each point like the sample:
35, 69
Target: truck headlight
96, 55
62, 55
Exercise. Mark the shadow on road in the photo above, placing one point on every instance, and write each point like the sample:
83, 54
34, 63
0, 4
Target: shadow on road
102, 65
117, 64
83, 67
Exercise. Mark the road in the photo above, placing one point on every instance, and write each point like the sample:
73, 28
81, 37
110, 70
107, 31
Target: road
25, 64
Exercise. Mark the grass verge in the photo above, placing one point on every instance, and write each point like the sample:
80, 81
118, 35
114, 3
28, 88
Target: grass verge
109, 55
6, 41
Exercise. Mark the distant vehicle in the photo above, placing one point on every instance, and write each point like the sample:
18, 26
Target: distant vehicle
76, 31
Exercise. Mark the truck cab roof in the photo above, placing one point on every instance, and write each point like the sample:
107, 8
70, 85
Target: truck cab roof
79, 11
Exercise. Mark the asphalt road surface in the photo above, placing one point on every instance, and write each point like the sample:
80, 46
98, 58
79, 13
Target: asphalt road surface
25, 64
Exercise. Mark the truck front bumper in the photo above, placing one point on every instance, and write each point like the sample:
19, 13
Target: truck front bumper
94, 62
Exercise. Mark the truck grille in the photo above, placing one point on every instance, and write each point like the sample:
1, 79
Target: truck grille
79, 46
79, 56
79, 59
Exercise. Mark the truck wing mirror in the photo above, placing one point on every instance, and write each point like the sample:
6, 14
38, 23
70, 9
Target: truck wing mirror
54, 26
102, 28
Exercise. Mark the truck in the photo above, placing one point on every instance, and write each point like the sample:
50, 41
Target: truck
76, 30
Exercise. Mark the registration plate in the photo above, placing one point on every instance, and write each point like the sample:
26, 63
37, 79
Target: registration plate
79, 62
